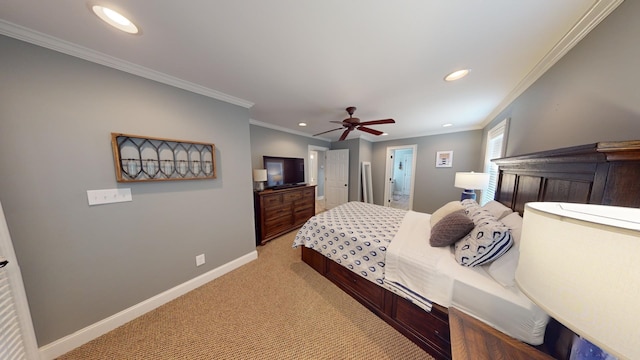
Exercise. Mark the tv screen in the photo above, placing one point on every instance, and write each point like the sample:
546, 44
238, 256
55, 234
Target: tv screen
283, 171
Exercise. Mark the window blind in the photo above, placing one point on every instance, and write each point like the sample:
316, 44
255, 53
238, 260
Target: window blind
495, 147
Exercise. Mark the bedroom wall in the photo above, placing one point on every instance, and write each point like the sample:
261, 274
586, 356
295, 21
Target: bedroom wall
434, 186
267, 141
590, 95
82, 264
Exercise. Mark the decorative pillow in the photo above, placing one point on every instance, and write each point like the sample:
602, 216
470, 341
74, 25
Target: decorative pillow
469, 203
488, 240
445, 210
503, 270
450, 229
497, 209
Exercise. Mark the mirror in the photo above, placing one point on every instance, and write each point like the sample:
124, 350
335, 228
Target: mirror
367, 190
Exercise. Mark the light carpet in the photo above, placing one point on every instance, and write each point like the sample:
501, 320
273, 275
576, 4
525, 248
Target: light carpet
275, 307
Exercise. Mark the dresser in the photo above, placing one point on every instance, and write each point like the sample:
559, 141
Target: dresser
280, 211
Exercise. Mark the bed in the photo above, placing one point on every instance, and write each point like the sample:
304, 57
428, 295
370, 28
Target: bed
378, 262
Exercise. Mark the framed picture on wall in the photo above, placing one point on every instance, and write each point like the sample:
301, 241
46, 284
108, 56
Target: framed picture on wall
444, 158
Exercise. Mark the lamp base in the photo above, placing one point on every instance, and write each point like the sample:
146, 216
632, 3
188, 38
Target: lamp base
468, 194
259, 185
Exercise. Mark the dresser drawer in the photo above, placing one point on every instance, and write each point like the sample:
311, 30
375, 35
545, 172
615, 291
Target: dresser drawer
276, 226
271, 200
300, 216
292, 196
309, 193
373, 293
277, 211
435, 330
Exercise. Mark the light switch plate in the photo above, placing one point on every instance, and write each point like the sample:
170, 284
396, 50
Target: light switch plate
108, 196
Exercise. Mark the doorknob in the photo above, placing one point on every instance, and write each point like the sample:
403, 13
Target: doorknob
345, 184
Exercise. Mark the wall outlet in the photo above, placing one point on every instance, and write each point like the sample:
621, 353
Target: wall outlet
200, 260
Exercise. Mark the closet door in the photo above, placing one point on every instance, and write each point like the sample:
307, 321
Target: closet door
17, 338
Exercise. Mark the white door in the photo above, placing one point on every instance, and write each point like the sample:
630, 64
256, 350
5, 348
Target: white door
17, 338
337, 177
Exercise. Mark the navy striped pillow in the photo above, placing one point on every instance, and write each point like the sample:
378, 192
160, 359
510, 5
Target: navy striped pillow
488, 240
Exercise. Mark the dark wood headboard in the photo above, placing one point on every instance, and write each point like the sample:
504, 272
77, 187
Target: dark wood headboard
606, 173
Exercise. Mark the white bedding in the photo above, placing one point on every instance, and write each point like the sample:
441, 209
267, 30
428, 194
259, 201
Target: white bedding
434, 273
390, 247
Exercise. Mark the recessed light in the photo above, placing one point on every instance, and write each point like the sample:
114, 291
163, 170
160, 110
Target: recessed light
302, 124
447, 125
384, 134
115, 19
456, 75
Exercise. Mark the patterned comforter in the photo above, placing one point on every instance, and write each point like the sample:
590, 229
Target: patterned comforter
355, 235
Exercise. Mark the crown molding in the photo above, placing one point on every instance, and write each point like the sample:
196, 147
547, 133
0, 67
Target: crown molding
283, 129
65, 47
598, 12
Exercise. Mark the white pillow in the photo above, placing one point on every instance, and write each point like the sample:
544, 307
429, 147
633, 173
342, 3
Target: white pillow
445, 210
503, 269
514, 223
497, 209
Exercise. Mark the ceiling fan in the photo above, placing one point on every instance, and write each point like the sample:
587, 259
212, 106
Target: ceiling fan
352, 123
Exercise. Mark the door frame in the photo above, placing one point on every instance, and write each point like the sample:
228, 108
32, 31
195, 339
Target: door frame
389, 171
319, 149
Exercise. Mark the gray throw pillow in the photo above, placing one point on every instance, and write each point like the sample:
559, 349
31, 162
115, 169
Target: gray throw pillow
450, 229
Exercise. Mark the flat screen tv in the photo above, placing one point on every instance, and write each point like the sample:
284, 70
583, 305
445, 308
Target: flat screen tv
283, 172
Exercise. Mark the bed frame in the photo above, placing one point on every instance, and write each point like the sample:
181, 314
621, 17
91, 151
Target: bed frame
602, 173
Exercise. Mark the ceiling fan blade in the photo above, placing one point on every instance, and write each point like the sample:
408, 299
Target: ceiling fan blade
369, 130
324, 132
378, 122
344, 134
336, 122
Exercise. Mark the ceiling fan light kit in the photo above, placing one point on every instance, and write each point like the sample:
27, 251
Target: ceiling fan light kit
352, 123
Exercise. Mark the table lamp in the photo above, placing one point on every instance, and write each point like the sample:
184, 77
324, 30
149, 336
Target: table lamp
259, 177
581, 264
470, 182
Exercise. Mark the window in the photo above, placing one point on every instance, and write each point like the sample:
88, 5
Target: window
495, 148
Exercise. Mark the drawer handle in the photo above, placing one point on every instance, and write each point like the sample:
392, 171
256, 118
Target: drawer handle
443, 338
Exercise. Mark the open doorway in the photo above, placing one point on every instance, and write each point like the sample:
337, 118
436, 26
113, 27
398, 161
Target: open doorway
316, 174
400, 176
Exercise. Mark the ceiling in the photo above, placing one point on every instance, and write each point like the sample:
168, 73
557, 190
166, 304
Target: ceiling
294, 61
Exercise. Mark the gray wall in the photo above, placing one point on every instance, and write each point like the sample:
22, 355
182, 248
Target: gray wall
266, 141
434, 186
82, 264
592, 94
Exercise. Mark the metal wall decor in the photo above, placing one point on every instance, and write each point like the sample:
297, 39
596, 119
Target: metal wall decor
140, 158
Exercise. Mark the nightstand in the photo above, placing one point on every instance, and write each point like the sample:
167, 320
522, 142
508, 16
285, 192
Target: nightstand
471, 339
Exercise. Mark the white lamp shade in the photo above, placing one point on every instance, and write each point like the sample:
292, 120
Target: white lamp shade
581, 264
259, 175
471, 180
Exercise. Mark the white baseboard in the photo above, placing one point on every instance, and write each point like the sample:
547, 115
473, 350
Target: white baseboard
83, 336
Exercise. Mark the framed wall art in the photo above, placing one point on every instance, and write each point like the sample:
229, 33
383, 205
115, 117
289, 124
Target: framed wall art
444, 158
141, 158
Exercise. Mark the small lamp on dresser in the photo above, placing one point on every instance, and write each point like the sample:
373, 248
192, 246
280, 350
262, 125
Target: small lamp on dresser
579, 263
259, 177
470, 182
